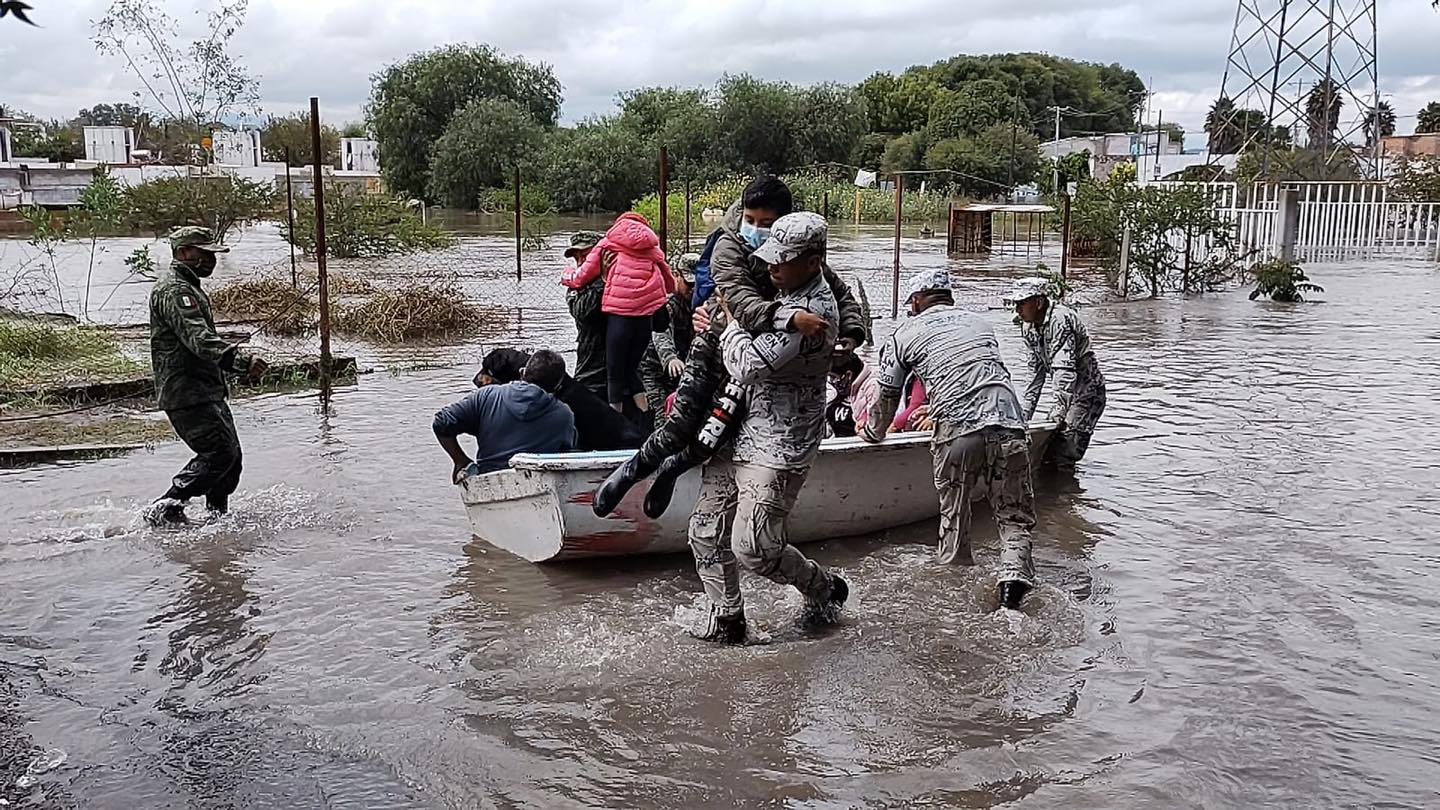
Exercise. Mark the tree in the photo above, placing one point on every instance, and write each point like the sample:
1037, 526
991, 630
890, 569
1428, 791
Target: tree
119, 114
598, 166
683, 120
981, 164
219, 202
195, 85
56, 143
899, 104
1322, 113
361, 226
1416, 179
1225, 138
413, 102
972, 109
1429, 118
1382, 114
354, 129
905, 153
830, 123
293, 131
759, 122
483, 144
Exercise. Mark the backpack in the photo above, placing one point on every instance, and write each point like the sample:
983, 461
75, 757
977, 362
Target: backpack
704, 285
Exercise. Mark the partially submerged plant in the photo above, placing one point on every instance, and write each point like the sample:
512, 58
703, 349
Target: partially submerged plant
411, 311
276, 306
1282, 281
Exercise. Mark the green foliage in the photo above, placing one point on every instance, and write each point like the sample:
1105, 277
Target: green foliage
55, 144
1381, 116
1124, 173
905, 153
219, 202
599, 166
36, 354
412, 104
1416, 179
1112, 92
354, 129
1322, 113
982, 164
533, 200
1429, 118
1282, 281
293, 132
974, 108
360, 226
900, 104
481, 147
1296, 164
141, 263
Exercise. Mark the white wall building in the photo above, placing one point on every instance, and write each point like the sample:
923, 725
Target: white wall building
111, 145
236, 148
359, 155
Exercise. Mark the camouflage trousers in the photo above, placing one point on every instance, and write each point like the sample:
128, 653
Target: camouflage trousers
208, 429
1077, 417
701, 381
997, 461
739, 520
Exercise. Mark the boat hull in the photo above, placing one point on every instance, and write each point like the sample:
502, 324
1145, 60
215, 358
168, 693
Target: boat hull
540, 508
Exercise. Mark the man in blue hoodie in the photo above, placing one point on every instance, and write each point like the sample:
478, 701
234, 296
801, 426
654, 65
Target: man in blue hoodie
517, 417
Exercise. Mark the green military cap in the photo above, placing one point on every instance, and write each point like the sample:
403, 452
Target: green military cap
197, 237
685, 266
582, 240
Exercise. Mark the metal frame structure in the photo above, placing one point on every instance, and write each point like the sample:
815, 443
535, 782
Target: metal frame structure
1280, 50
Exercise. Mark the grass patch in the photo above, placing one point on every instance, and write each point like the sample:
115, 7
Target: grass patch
278, 307
408, 312
60, 431
35, 354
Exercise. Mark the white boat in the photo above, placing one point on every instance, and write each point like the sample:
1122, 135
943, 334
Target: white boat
540, 508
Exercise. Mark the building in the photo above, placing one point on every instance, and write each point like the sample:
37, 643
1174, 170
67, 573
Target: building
359, 155
110, 145
1419, 145
237, 148
1110, 150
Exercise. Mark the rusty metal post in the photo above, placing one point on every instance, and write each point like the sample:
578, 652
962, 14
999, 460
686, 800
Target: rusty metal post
320, 248
290, 213
664, 201
825, 206
1065, 241
687, 216
899, 211
518, 273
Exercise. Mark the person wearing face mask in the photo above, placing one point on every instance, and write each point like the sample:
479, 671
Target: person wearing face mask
190, 360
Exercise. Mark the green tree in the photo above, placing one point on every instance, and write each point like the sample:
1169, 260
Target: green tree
758, 119
1108, 94
684, 121
869, 149
1429, 118
901, 103
831, 122
905, 153
1382, 114
598, 166
483, 144
218, 202
1322, 113
412, 103
58, 144
293, 132
972, 109
354, 129
981, 164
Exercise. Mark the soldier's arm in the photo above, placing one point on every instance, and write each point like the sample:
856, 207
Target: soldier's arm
182, 313
1031, 399
890, 374
852, 315
1063, 364
664, 342
751, 358
730, 269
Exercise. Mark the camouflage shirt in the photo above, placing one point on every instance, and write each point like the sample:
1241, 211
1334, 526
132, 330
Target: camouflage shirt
786, 373
1059, 345
188, 357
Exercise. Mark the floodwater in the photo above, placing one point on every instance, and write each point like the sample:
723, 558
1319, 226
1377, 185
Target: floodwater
1238, 609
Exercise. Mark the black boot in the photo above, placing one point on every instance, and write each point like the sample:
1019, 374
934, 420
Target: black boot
720, 628
166, 511
609, 494
217, 504
817, 615
662, 489
1011, 592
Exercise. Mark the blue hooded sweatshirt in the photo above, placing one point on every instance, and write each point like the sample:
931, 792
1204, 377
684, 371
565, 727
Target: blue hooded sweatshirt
516, 417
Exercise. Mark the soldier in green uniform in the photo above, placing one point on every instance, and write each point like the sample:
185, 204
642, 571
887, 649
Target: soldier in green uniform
190, 361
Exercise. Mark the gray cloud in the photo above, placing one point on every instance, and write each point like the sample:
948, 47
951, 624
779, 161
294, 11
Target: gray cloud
331, 48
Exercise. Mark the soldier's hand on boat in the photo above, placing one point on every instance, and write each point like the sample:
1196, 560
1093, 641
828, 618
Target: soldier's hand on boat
808, 323
920, 419
462, 471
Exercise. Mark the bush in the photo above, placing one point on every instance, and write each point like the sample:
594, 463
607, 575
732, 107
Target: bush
36, 354
219, 203
276, 306
1282, 281
414, 310
361, 226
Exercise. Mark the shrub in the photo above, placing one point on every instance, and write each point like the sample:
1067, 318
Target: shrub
219, 203
360, 225
411, 311
1282, 281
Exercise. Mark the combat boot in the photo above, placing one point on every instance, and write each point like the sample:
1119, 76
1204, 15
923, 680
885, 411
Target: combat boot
817, 615
166, 512
1011, 592
609, 494
719, 627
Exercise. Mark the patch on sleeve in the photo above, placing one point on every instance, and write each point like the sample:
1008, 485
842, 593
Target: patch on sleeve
188, 301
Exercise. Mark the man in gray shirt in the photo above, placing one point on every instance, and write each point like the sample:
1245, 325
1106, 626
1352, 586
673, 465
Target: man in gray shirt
750, 490
979, 438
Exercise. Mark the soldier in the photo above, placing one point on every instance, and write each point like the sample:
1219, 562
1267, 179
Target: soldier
750, 488
584, 306
664, 362
189, 361
979, 437
1059, 346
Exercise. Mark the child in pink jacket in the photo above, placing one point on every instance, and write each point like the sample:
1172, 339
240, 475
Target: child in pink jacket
637, 285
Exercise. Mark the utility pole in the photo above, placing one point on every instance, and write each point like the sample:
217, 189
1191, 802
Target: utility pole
1159, 120
1014, 133
1056, 176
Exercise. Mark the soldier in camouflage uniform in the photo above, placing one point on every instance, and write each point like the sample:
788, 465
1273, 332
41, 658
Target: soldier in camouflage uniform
584, 307
1059, 345
664, 361
745, 282
979, 442
750, 489
190, 361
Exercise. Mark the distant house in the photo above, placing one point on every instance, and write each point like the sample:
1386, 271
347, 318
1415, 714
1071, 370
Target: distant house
1420, 145
1110, 150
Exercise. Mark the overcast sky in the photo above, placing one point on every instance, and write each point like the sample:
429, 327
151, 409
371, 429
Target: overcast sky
330, 48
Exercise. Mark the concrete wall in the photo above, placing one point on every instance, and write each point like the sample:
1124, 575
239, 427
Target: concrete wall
59, 185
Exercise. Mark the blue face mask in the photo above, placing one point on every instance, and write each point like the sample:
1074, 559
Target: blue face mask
753, 236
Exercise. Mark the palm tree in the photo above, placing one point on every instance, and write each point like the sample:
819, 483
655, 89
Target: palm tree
1384, 115
1429, 118
1225, 138
1320, 122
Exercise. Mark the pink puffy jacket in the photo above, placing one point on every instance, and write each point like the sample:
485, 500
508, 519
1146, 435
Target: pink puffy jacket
640, 281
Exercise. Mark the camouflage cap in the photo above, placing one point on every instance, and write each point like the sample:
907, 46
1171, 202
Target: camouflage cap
685, 266
926, 280
198, 237
793, 235
1026, 288
582, 240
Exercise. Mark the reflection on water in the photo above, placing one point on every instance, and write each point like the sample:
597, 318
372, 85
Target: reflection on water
1235, 610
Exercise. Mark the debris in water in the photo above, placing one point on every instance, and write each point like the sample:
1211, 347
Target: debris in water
48, 761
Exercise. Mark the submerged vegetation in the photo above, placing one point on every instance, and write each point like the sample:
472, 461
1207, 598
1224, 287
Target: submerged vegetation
361, 226
38, 354
1282, 281
411, 311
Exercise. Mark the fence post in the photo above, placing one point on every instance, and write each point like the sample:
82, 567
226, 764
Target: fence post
518, 273
318, 155
687, 216
1287, 223
290, 213
825, 206
1125, 262
899, 211
664, 202
857, 206
1065, 241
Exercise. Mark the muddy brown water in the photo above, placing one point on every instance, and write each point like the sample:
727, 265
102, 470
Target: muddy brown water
1238, 609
